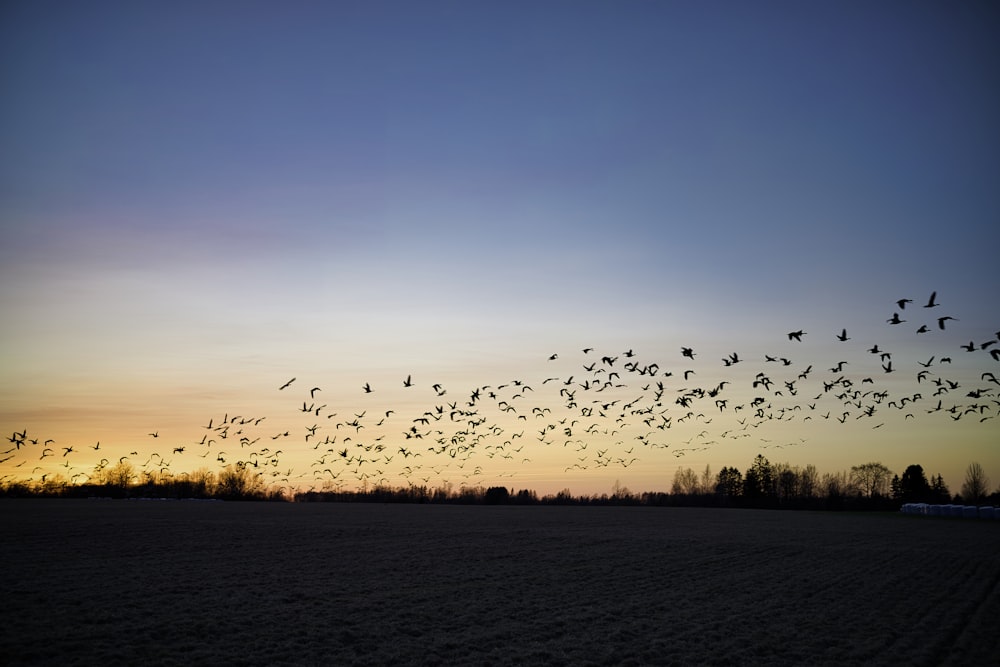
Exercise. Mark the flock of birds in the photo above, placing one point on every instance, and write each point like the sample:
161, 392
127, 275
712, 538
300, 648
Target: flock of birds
601, 411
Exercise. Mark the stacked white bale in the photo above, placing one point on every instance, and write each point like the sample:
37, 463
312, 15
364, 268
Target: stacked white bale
935, 510
970, 511
986, 512
955, 510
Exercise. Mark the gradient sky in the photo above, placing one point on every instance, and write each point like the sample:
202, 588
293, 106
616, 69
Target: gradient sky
199, 201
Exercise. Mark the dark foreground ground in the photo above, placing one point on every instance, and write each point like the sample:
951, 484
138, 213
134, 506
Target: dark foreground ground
200, 583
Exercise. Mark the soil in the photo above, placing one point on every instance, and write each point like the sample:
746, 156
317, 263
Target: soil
128, 582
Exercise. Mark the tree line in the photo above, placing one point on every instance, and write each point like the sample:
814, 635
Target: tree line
762, 485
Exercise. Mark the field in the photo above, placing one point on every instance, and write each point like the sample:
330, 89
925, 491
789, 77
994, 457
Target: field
199, 583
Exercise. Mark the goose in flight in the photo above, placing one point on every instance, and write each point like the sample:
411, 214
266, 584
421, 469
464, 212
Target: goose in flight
895, 319
796, 335
286, 384
930, 302
843, 335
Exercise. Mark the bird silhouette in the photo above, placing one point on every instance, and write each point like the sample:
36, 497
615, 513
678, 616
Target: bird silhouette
796, 335
930, 302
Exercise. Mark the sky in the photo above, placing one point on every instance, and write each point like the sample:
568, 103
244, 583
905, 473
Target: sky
201, 201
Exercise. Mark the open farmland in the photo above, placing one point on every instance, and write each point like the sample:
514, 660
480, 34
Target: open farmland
158, 582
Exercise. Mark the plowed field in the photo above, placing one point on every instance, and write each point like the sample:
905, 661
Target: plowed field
200, 583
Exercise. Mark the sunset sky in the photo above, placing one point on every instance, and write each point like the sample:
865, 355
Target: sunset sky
202, 200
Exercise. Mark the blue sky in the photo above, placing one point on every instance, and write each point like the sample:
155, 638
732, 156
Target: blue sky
199, 199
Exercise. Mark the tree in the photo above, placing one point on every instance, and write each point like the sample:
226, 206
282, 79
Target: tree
685, 482
871, 479
729, 483
976, 484
759, 479
118, 477
706, 485
237, 481
939, 490
496, 495
913, 485
788, 484
808, 479
620, 491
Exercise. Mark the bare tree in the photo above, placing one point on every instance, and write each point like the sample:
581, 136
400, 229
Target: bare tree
685, 482
871, 479
808, 480
976, 483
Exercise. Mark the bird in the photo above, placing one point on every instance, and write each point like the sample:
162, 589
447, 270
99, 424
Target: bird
843, 335
312, 392
930, 302
687, 352
796, 335
895, 319
942, 320
902, 303
408, 382
367, 387
286, 384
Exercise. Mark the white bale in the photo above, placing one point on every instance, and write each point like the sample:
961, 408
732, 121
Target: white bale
970, 511
935, 510
986, 512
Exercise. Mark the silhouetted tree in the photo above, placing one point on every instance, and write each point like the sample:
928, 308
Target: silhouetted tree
238, 481
871, 479
758, 482
496, 495
685, 482
117, 478
788, 484
526, 497
729, 484
976, 484
913, 486
939, 490
808, 481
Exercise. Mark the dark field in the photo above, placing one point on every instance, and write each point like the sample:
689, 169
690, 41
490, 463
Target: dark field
196, 583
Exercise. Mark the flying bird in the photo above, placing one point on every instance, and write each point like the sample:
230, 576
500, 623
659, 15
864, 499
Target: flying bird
895, 319
286, 384
843, 335
942, 320
796, 335
930, 302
